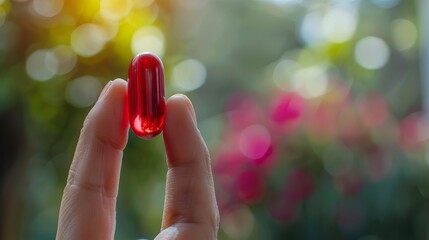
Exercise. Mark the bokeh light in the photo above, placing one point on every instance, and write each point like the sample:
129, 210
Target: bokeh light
311, 29
189, 75
41, 65
404, 34
47, 8
310, 82
339, 24
143, 3
83, 91
372, 53
254, 141
88, 39
115, 9
238, 224
148, 39
65, 60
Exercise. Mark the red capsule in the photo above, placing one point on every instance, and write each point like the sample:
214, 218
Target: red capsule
146, 101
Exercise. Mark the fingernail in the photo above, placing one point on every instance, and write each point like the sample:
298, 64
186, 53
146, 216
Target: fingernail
104, 91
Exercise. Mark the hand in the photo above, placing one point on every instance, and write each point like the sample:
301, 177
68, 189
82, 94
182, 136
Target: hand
88, 203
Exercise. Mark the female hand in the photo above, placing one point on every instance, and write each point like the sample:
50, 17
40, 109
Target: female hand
89, 199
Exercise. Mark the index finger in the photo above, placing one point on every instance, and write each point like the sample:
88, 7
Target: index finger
90, 194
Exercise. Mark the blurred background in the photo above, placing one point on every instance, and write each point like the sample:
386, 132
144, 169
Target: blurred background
313, 111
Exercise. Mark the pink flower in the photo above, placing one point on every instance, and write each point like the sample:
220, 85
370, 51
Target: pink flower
239, 177
288, 107
227, 165
256, 143
287, 111
413, 130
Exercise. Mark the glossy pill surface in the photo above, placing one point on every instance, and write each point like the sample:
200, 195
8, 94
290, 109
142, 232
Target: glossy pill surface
146, 103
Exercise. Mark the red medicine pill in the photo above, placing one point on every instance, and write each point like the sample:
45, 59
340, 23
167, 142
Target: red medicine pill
146, 101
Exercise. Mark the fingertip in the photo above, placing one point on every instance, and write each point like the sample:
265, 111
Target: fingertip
180, 102
181, 135
92, 186
104, 90
114, 88
108, 118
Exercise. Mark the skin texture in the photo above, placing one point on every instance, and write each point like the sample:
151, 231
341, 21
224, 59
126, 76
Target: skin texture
88, 206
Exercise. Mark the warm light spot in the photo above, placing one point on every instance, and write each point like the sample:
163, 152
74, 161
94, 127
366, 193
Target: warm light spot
372, 53
41, 65
111, 29
189, 75
47, 8
339, 24
148, 39
65, 60
115, 9
83, 91
144, 16
88, 39
287, 109
404, 34
310, 82
143, 3
254, 141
